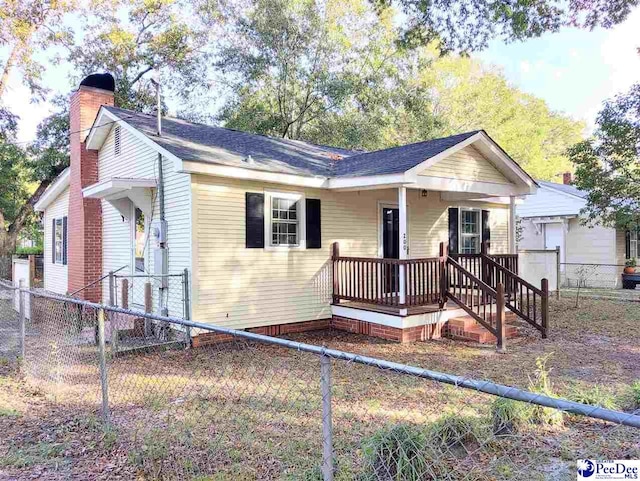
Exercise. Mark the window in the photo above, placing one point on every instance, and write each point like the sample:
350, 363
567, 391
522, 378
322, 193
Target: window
285, 221
140, 240
58, 237
116, 140
633, 244
470, 231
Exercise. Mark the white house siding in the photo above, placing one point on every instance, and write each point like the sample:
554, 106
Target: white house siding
466, 164
55, 275
547, 202
239, 287
139, 160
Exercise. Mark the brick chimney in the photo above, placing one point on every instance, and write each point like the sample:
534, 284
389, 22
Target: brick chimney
85, 215
566, 178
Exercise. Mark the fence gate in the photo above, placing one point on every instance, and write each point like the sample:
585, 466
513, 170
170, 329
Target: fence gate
537, 264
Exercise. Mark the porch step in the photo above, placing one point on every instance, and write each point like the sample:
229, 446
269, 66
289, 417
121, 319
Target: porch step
465, 328
466, 322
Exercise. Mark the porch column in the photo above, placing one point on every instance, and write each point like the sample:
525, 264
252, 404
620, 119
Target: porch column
404, 241
512, 225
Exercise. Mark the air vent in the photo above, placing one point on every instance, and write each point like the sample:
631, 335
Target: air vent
116, 141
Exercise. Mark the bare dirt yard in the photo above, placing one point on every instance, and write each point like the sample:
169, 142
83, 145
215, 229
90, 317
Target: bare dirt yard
247, 411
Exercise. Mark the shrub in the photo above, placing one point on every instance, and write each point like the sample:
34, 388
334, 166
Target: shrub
396, 453
593, 396
510, 417
634, 396
25, 251
454, 430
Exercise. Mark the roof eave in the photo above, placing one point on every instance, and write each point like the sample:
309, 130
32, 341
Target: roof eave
53, 191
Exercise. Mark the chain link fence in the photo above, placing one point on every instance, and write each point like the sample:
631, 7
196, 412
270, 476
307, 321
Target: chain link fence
247, 406
594, 276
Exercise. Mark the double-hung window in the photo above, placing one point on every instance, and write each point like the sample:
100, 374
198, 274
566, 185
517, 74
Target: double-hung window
59, 241
285, 221
470, 231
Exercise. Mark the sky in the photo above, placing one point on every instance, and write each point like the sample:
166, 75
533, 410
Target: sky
574, 71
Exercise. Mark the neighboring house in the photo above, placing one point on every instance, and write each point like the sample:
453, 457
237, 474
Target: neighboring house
253, 218
592, 256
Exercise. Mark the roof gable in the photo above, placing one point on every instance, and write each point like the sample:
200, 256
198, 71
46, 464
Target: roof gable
466, 164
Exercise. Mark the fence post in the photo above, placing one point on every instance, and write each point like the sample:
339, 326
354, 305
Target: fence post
500, 321
148, 307
114, 327
125, 293
21, 308
558, 272
545, 307
187, 305
104, 383
327, 429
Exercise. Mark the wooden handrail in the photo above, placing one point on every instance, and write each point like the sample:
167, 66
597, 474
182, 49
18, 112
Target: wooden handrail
474, 296
515, 298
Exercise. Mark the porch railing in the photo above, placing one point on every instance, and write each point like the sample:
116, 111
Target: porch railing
385, 282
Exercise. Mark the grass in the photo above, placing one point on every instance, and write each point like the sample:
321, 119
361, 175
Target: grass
247, 411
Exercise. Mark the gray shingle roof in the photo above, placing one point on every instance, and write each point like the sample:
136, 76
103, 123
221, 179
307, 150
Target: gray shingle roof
567, 189
204, 143
396, 159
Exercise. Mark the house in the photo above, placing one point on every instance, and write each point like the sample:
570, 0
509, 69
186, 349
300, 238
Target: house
592, 256
278, 235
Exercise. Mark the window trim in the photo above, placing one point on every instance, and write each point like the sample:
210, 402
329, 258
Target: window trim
300, 198
59, 224
478, 210
132, 239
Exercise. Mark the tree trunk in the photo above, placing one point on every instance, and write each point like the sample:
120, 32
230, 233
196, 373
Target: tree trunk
13, 55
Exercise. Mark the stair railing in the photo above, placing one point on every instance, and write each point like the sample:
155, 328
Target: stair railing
479, 300
523, 298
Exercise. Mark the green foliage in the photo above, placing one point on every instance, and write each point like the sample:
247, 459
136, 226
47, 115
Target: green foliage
25, 251
593, 396
635, 395
541, 383
467, 25
630, 262
454, 430
396, 453
145, 36
607, 165
510, 417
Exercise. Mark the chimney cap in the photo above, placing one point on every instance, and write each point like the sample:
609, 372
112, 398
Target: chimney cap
104, 81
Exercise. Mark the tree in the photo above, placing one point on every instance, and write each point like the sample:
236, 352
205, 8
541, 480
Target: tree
468, 95
607, 164
29, 26
26, 173
468, 25
158, 36
290, 62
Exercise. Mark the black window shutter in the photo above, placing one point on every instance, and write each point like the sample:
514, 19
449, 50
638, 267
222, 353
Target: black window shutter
64, 240
627, 244
486, 230
53, 241
453, 230
254, 220
312, 218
